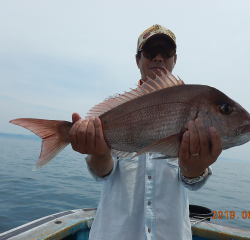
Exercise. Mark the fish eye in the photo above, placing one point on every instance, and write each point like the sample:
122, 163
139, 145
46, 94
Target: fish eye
226, 109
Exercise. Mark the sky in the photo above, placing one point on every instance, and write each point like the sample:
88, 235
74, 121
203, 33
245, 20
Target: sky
59, 57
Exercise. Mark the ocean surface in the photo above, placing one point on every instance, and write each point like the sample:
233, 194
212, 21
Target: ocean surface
65, 184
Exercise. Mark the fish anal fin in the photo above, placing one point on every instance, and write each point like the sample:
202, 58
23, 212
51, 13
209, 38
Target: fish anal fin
168, 146
121, 154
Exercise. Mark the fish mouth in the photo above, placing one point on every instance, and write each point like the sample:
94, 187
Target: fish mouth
244, 129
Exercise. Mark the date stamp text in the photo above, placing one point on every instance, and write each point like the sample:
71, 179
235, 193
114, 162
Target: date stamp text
230, 215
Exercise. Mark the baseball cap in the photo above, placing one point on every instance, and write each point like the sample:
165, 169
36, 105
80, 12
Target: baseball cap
155, 30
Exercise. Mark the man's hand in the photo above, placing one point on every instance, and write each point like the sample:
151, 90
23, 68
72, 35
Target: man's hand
195, 153
86, 137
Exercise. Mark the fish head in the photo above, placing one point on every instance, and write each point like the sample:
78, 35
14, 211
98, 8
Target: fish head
228, 117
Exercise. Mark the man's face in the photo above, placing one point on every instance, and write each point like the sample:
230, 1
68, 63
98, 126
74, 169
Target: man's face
148, 66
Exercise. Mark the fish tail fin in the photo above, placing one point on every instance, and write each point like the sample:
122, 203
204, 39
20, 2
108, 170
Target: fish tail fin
54, 134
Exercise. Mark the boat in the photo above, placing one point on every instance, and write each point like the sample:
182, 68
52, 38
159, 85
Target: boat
76, 224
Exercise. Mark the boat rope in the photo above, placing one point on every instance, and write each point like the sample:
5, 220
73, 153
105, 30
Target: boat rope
196, 222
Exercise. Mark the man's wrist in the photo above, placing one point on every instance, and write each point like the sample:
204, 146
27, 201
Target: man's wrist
194, 179
101, 165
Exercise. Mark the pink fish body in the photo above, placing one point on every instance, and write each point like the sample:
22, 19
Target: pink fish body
151, 118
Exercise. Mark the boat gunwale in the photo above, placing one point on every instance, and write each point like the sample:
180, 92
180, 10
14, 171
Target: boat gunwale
36, 224
201, 229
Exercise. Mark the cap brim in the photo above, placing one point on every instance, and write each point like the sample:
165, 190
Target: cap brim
159, 35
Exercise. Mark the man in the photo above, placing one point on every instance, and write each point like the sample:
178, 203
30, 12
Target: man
145, 198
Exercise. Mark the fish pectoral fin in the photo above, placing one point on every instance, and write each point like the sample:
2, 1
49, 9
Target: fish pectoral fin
168, 146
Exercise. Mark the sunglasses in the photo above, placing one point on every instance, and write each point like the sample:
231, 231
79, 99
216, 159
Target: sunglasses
152, 52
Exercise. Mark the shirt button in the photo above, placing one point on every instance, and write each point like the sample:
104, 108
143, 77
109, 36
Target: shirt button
149, 202
149, 177
149, 230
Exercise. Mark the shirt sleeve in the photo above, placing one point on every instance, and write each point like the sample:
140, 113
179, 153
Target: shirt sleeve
195, 186
106, 177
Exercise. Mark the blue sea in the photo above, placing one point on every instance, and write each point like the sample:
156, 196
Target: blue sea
65, 184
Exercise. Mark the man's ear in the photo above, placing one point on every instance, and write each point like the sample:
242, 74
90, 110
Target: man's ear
175, 58
137, 60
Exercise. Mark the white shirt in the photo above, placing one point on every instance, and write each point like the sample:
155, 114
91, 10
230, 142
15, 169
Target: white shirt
143, 199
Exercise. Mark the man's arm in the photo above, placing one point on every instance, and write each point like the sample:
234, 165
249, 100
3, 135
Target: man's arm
196, 155
86, 137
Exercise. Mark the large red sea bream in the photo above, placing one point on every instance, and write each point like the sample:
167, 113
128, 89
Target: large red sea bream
151, 118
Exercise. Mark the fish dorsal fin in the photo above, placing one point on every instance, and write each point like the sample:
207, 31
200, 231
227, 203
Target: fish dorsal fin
160, 82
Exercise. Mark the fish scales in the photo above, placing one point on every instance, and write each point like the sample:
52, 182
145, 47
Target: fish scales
140, 122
